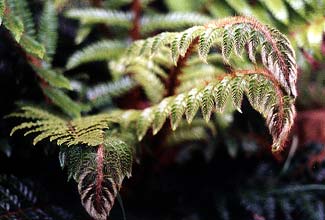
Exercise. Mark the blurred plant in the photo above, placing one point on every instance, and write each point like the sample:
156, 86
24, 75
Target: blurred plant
19, 200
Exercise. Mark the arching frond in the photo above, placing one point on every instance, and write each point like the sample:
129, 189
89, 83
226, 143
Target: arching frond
278, 110
276, 51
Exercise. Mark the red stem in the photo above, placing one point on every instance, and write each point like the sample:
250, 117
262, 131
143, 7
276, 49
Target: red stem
136, 9
173, 82
100, 176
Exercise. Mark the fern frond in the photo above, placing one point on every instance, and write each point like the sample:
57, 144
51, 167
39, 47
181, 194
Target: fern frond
279, 112
276, 51
63, 101
14, 25
99, 51
20, 9
85, 130
102, 94
198, 130
47, 33
99, 173
95, 16
32, 46
171, 21
151, 84
54, 78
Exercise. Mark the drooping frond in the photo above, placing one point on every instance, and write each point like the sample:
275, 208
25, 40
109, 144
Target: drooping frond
48, 33
95, 16
171, 21
85, 130
277, 109
99, 173
99, 51
276, 52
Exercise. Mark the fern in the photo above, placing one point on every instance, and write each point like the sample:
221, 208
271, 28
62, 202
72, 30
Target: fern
93, 16
47, 34
171, 21
99, 173
87, 130
280, 62
102, 94
99, 51
279, 113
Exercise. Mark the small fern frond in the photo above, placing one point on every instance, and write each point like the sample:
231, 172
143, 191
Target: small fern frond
171, 21
95, 16
99, 51
99, 173
85, 130
47, 33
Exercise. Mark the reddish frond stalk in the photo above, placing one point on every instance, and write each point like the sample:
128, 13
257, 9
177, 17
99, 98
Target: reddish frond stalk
136, 9
100, 176
173, 82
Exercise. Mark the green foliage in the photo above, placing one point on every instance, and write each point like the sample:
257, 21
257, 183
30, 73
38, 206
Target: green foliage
63, 101
99, 51
180, 74
48, 34
85, 130
95, 15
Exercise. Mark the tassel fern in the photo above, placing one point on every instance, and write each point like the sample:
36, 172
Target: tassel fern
99, 158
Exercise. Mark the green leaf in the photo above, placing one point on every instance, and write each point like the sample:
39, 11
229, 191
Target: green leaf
54, 78
144, 122
48, 29
32, 46
63, 101
207, 102
99, 51
192, 104
14, 25
161, 113
177, 110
